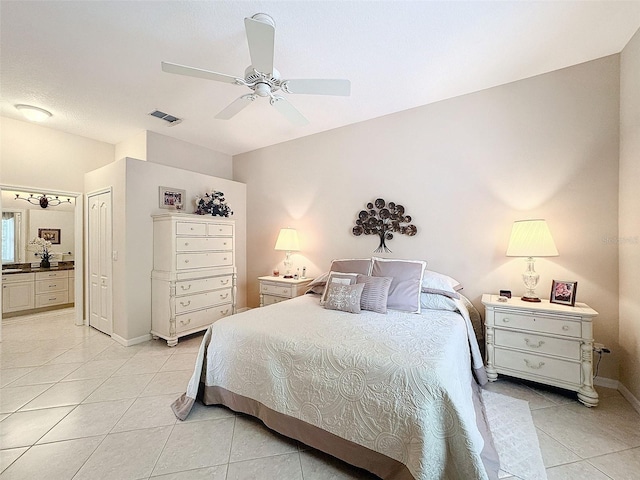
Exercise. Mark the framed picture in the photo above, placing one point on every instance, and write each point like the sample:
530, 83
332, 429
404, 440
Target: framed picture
563, 293
50, 234
173, 198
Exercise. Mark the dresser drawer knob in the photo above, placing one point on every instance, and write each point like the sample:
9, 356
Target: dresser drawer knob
186, 244
224, 282
534, 367
224, 297
182, 322
185, 304
565, 327
505, 320
532, 345
225, 312
188, 287
186, 261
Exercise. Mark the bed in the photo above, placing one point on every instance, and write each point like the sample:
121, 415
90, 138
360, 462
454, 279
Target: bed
396, 394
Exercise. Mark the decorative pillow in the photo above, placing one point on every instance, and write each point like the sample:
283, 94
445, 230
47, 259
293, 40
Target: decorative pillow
345, 298
352, 265
434, 282
434, 301
338, 278
404, 293
375, 293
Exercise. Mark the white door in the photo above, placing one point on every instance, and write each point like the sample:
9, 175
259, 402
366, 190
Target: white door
100, 262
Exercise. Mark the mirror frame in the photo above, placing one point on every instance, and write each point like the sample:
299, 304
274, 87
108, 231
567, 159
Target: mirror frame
78, 245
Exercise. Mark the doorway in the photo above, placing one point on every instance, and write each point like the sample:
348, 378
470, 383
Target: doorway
78, 284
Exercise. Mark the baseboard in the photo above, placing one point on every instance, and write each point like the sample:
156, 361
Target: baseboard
132, 341
635, 403
606, 382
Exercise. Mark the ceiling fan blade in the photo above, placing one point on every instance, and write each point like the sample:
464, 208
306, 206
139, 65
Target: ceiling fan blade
319, 87
261, 38
199, 73
236, 106
289, 111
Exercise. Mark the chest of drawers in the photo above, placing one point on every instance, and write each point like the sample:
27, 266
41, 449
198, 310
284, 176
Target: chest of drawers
541, 342
194, 276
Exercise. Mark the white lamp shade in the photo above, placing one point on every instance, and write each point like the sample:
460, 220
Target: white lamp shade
288, 240
531, 238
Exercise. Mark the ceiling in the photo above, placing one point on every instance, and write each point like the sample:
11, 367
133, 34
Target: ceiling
96, 64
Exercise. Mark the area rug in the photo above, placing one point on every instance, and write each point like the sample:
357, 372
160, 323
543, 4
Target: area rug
514, 436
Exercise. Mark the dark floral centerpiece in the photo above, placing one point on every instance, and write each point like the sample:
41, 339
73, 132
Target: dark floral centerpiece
42, 248
213, 204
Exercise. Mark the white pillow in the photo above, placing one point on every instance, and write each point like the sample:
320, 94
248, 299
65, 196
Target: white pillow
433, 301
434, 282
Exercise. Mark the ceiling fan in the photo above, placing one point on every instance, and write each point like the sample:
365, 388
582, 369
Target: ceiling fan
262, 78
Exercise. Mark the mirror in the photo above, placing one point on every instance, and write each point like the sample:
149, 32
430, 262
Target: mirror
24, 221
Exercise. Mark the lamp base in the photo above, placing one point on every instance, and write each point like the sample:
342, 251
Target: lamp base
530, 299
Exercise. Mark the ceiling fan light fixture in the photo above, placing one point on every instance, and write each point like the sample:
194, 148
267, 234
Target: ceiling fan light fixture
33, 114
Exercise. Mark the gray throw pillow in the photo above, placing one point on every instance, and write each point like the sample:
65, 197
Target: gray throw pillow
375, 293
345, 298
404, 293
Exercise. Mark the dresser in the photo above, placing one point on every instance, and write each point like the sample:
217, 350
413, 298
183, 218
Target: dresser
542, 342
278, 289
194, 275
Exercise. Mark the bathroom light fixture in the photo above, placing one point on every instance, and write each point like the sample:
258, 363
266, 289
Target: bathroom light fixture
531, 238
43, 200
35, 114
288, 241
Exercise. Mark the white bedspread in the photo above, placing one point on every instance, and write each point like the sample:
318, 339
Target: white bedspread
399, 384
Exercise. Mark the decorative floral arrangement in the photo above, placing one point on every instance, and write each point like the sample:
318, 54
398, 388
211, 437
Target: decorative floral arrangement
42, 248
213, 204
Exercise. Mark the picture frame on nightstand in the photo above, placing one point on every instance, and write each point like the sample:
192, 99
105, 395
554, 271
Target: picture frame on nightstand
563, 293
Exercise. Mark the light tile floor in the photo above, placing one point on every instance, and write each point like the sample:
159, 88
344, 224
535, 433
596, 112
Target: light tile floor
74, 404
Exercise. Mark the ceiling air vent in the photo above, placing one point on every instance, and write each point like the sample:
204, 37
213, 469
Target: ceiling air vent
170, 119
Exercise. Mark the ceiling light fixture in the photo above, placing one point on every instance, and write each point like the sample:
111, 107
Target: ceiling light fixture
34, 114
43, 200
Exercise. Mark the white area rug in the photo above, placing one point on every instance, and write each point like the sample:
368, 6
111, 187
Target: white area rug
514, 436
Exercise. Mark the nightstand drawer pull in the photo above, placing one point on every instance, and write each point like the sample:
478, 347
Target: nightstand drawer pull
185, 304
224, 297
532, 345
188, 287
505, 320
224, 282
224, 312
565, 328
182, 322
186, 261
534, 367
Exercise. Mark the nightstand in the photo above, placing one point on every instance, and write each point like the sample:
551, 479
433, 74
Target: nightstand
542, 342
278, 289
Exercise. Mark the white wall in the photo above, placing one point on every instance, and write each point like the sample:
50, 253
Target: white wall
64, 221
135, 186
465, 169
629, 228
35, 156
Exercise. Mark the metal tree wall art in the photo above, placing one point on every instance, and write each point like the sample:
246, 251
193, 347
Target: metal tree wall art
383, 219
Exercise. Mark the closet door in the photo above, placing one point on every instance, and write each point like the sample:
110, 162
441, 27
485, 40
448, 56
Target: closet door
100, 270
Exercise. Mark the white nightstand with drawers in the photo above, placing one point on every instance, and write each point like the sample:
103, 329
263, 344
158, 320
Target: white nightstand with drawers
542, 342
278, 289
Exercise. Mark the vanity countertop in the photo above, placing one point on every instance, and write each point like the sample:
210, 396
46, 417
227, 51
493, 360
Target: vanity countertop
27, 268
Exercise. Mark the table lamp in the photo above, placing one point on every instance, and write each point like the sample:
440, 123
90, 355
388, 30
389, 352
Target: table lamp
531, 238
288, 242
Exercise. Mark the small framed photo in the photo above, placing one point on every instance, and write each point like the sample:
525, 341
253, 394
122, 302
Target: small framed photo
563, 293
172, 198
50, 234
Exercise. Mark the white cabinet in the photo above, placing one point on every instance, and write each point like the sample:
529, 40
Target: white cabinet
52, 288
277, 289
194, 275
18, 292
542, 342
